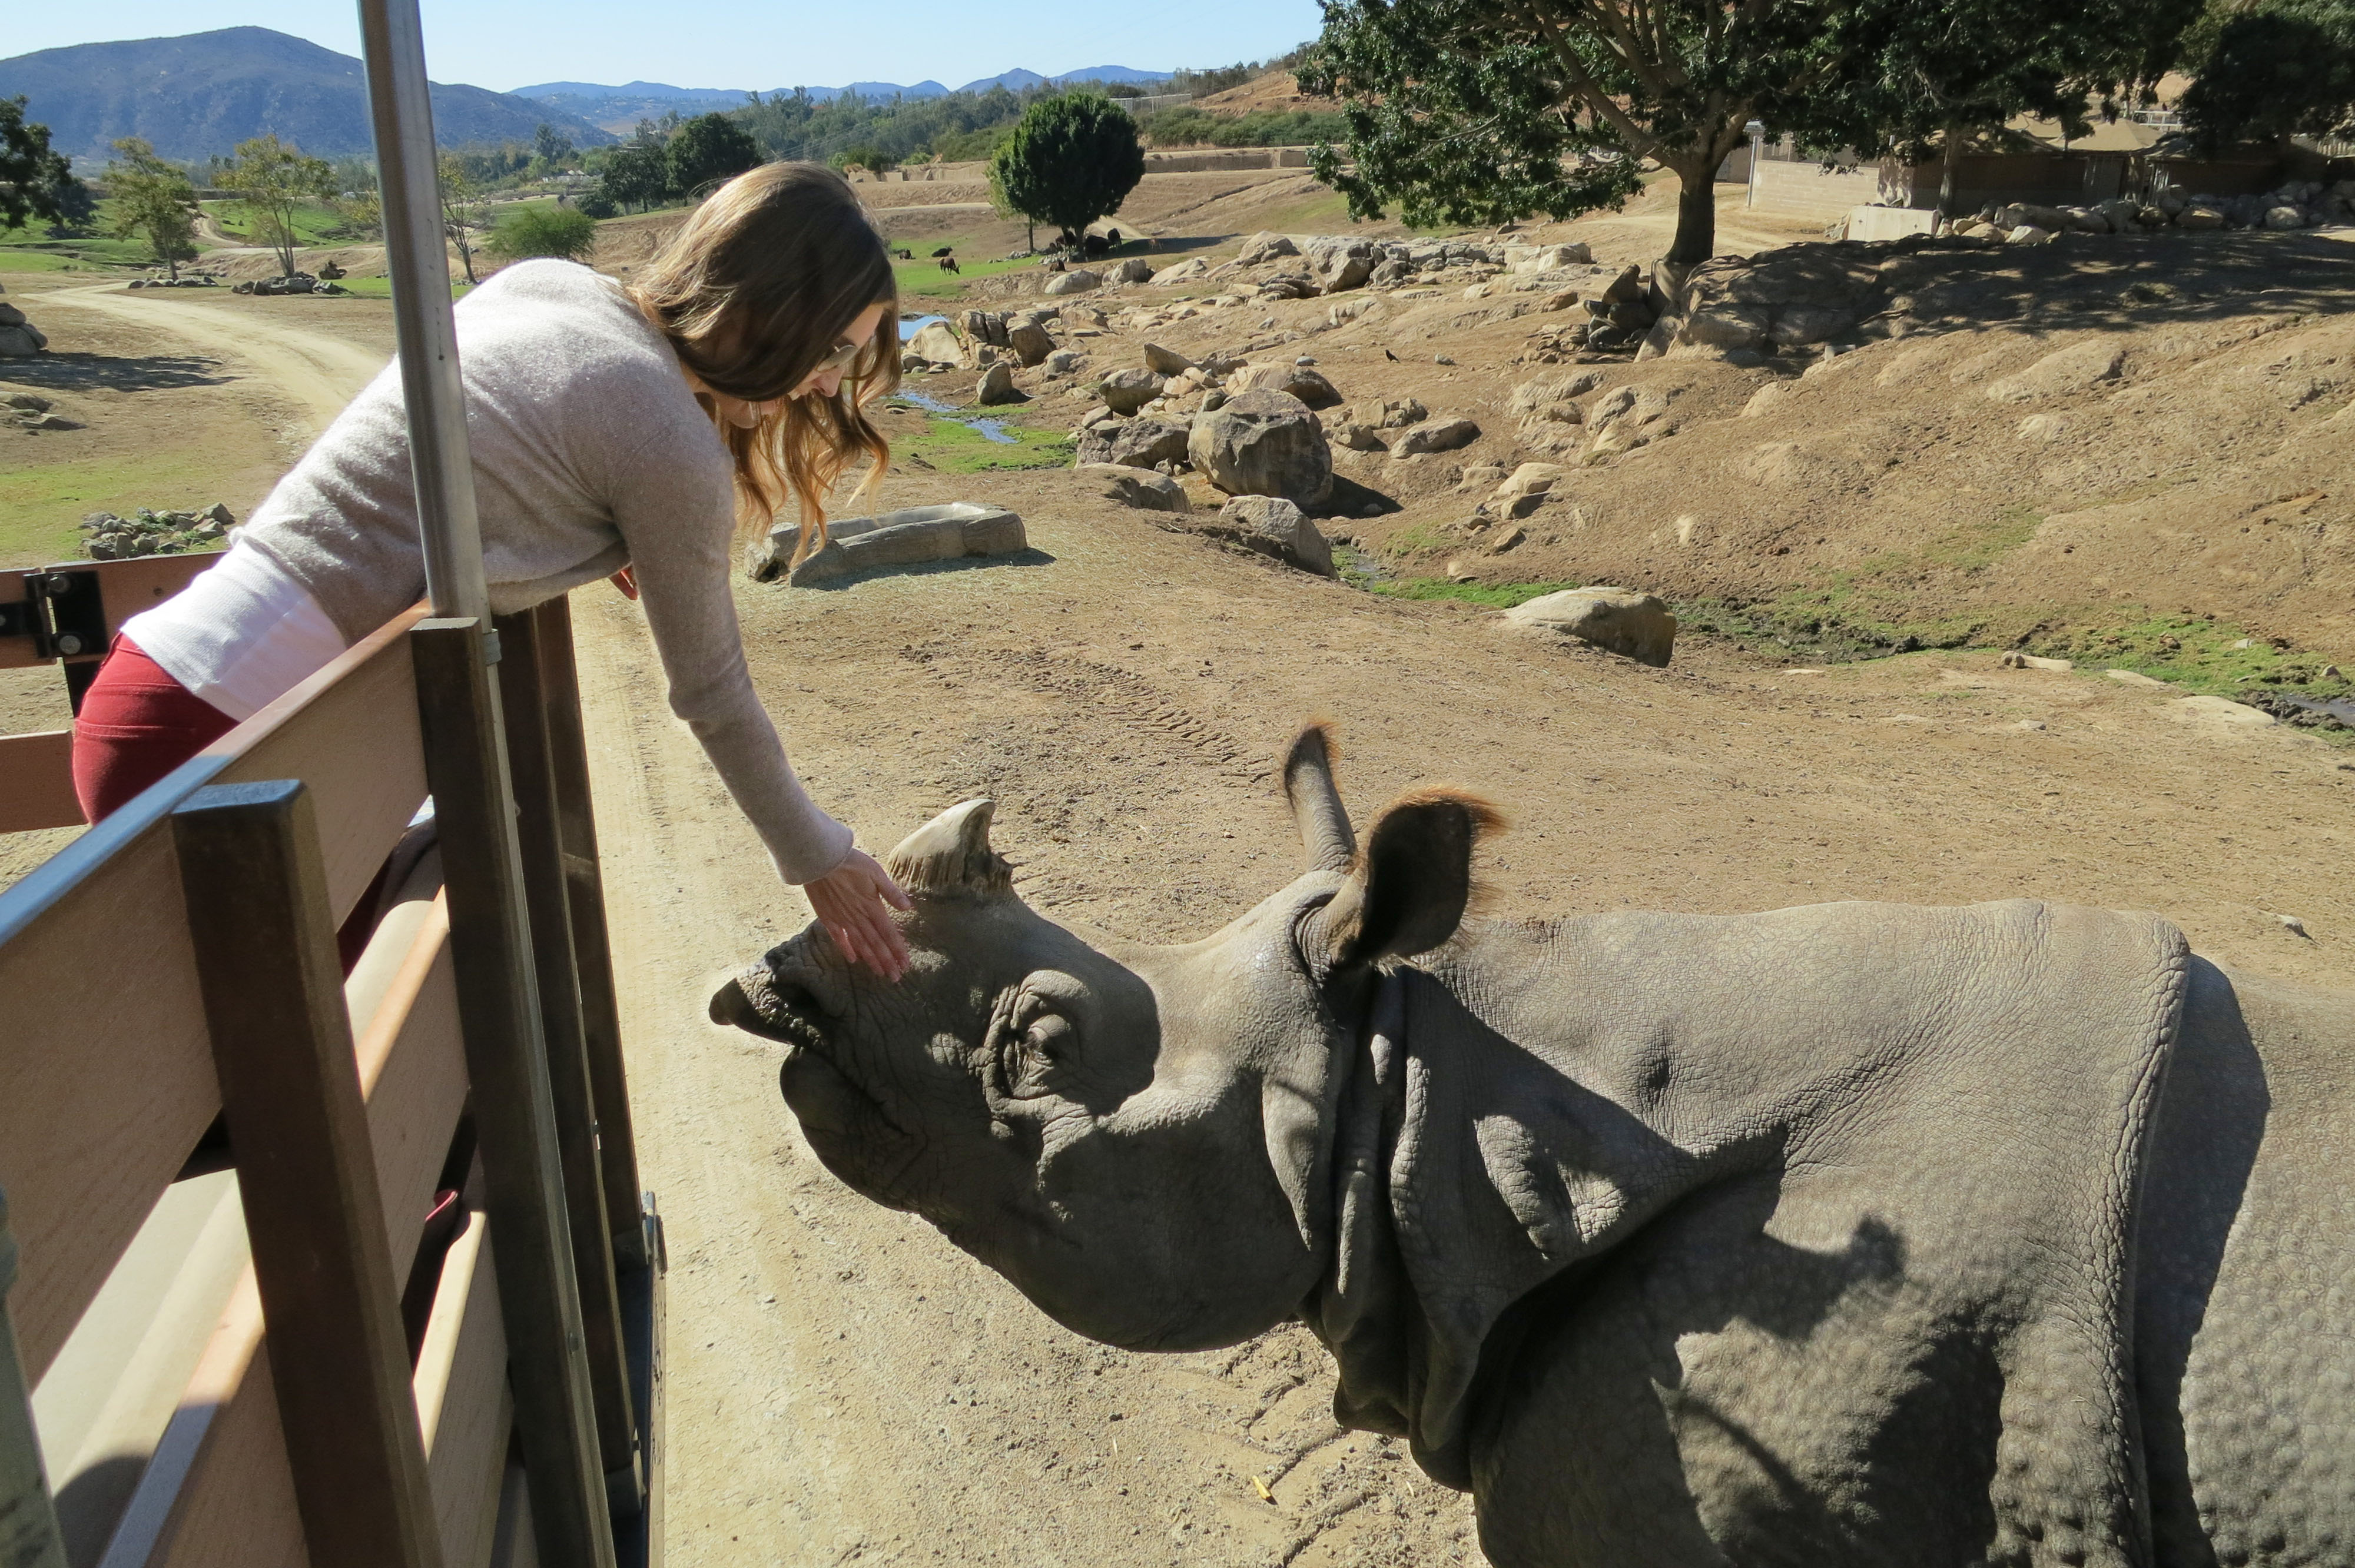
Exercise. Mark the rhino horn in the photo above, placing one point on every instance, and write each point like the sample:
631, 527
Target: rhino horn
1326, 836
950, 855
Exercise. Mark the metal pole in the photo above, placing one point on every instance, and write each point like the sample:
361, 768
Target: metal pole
415, 255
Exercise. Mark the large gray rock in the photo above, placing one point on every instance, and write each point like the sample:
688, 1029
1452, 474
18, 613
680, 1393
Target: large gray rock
996, 386
1301, 381
1272, 526
10, 315
913, 537
21, 342
1126, 391
1133, 270
935, 343
1030, 343
1265, 247
1078, 280
1341, 265
1264, 443
1637, 625
1137, 443
1138, 487
1166, 361
1185, 271
1435, 436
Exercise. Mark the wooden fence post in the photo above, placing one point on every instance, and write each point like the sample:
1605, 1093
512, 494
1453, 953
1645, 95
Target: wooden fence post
260, 919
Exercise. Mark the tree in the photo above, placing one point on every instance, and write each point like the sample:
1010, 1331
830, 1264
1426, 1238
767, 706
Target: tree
1073, 158
273, 180
874, 160
34, 181
707, 150
154, 201
636, 174
2269, 72
463, 211
561, 231
552, 146
1465, 112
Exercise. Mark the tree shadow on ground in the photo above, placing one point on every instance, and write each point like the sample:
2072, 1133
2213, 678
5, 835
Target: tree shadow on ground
2124, 282
111, 373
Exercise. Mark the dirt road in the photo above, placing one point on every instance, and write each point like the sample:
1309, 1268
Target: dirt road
317, 371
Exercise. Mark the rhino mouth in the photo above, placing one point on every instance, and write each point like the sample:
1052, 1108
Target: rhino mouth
751, 1003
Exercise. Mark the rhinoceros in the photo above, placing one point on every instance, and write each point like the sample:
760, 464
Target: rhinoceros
1853, 1233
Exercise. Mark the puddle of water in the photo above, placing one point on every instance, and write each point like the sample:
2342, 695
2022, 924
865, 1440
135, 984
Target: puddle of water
910, 326
991, 429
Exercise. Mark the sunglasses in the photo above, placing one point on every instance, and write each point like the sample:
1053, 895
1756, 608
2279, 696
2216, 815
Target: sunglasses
839, 360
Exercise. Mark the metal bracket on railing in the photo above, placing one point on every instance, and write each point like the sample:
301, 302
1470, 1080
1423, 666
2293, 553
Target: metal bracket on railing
63, 612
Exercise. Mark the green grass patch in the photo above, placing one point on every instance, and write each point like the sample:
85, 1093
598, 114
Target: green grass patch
2197, 654
952, 446
922, 278
42, 508
314, 223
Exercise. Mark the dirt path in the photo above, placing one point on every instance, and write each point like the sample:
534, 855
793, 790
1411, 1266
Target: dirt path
846, 1387
317, 371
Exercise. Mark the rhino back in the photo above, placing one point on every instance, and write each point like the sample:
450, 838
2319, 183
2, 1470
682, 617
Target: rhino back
2245, 1279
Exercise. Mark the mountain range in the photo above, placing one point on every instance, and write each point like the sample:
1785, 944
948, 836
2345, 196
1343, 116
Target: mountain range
619, 108
194, 96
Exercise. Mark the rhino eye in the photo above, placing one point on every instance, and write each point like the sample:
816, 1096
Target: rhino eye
1042, 1045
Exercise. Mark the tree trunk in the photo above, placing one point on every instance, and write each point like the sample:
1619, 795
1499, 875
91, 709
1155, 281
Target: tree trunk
1696, 214
1954, 153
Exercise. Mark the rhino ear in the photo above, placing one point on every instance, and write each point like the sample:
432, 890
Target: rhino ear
1409, 888
950, 855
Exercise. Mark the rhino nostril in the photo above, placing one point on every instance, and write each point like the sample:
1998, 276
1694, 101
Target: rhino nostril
731, 1005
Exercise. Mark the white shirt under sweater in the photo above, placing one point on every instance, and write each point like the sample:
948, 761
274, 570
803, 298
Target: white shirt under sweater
590, 454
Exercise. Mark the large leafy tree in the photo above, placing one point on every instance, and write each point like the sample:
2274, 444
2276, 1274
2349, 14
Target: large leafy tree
1073, 158
273, 181
707, 150
1464, 112
34, 181
635, 174
154, 201
2270, 71
464, 210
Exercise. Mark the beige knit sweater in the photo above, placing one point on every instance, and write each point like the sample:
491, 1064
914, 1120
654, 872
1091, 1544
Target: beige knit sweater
590, 454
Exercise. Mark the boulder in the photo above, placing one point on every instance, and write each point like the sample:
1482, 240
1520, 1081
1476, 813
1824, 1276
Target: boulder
914, 537
2063, 371
2199, 217
2284, 217
1126, 391
1137, 443
1030, 343
1272, 526
984, 326
1064, 360
1553, 258
1265, 247
996, 386
1131, 270
21, 342
1340, 266
10, 315
1635, 625
1301, 381
935, 343
1527, 488
1357, 438
1341, 312
2030, 234
1625, 289
1184, 271
1078, 280
1138, 487
1264, 443
1722, 325
1398, 413
1166, 361
1435, 436
30, 402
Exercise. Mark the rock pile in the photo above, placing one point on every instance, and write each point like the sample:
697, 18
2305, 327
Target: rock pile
2301, 204
185, 280
19, 339
293, 283
150, 533
30, 411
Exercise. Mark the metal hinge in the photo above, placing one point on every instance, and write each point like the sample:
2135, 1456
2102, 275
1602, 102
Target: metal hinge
63, 612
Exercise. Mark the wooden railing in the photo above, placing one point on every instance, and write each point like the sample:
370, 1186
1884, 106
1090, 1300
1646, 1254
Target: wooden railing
174, 970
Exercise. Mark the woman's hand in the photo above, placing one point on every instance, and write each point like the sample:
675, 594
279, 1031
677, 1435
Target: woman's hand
851, 901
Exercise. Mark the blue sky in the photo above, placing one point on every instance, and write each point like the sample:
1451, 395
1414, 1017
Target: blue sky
506, 44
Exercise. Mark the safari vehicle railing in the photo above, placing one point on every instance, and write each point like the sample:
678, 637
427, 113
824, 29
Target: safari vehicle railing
251, 1332
178, 963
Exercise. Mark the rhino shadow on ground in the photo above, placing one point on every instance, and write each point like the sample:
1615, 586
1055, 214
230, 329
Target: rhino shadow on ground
1029, 557
110, 373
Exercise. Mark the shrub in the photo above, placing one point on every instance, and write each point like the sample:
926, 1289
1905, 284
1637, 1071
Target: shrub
1072, 160
565, 232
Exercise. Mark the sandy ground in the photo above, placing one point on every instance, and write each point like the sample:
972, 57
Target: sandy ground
845, 1386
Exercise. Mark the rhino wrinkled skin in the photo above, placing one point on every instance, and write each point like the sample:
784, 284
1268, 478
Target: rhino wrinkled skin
1853, 1233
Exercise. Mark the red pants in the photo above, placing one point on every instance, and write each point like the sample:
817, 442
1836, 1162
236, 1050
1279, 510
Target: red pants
136, 725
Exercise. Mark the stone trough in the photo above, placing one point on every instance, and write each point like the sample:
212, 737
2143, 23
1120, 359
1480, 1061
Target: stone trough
916, 536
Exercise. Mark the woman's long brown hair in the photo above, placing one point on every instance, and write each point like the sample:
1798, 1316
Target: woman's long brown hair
754, 292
